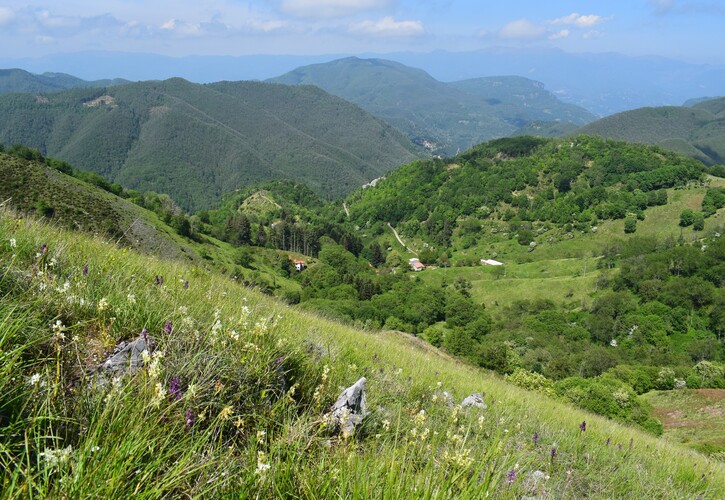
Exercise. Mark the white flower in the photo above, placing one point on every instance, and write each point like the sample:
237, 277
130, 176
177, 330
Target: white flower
131, 298
58, 328
103, 304
13, 243
34, 379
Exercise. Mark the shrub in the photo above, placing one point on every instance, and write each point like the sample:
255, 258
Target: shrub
531, 381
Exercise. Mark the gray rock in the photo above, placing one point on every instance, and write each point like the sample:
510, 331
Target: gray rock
127, 356
475, 401
350, 408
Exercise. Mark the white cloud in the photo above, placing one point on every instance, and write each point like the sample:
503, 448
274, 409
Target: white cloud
331, 8
559, 34
521, 28
578, 20
388, 26
6, 15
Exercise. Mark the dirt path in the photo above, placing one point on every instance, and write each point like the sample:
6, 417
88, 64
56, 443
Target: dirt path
397, 237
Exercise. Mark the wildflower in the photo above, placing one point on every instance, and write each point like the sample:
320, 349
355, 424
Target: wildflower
261, 436
103, 304
553, 453
536, 438
145, 335
43, 249
386, 424
608, 441
159, 394
175, 388
225, 413
279, 360
131, 298
58, 328
34, 379
159, 280
511, 476
189, 416
262, 466
167, 327
620, 447
95, 449
13, 243
186, 285
85, 270
583, 426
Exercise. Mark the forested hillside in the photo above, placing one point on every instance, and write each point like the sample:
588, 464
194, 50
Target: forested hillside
20, 81
697, 131
197, 142
445, 117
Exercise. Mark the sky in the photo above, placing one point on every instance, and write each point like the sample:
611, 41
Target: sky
689, 30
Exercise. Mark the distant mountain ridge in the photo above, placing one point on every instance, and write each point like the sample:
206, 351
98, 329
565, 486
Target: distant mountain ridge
445, 117
604, 83
697, 131
20, 81
196, 142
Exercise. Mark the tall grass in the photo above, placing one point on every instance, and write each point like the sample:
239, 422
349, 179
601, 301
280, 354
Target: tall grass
235, 399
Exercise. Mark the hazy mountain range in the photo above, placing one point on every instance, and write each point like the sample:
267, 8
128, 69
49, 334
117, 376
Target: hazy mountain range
602, 83
446, 117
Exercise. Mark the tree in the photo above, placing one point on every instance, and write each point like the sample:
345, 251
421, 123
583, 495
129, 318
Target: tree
630, 224
698, 221
687, 217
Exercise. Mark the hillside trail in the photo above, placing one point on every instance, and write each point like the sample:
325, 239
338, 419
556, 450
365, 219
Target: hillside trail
400, 240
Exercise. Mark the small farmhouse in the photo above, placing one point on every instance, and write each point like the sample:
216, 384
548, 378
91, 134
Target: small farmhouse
491, 262
416, 265
299, 264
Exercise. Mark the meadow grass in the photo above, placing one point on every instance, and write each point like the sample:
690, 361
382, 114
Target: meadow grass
235, 399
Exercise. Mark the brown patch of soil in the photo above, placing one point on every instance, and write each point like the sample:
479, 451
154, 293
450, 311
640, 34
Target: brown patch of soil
716, 394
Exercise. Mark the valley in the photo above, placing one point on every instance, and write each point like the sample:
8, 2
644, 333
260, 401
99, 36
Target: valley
527, 301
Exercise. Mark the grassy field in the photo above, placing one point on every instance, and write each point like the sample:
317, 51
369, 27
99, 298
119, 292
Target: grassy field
692, 417
235, 399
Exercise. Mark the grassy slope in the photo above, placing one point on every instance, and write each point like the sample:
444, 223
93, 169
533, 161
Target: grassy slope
80, 206
230, 376
562, 270
692, 417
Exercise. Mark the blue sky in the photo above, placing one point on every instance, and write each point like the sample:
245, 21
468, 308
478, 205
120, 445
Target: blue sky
690, 30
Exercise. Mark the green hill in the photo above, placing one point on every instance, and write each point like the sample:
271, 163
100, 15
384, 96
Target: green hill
196, 142
697, 131
234, 400
20, 81
445, 117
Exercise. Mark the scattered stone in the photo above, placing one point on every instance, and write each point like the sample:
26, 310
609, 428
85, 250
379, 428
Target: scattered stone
128, 356
350, 408
474, 400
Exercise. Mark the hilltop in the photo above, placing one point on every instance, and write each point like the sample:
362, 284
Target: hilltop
697, 131
196, 142
20, 81
446, 117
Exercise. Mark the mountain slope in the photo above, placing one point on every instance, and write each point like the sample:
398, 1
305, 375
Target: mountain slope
236, 401
447, 117
697, 131
20, 81
196, 142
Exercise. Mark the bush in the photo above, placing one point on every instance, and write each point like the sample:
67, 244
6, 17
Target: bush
531, 381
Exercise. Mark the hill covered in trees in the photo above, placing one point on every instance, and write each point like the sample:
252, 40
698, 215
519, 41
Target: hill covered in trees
20, 81
697, 131
196, 142
446, 117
